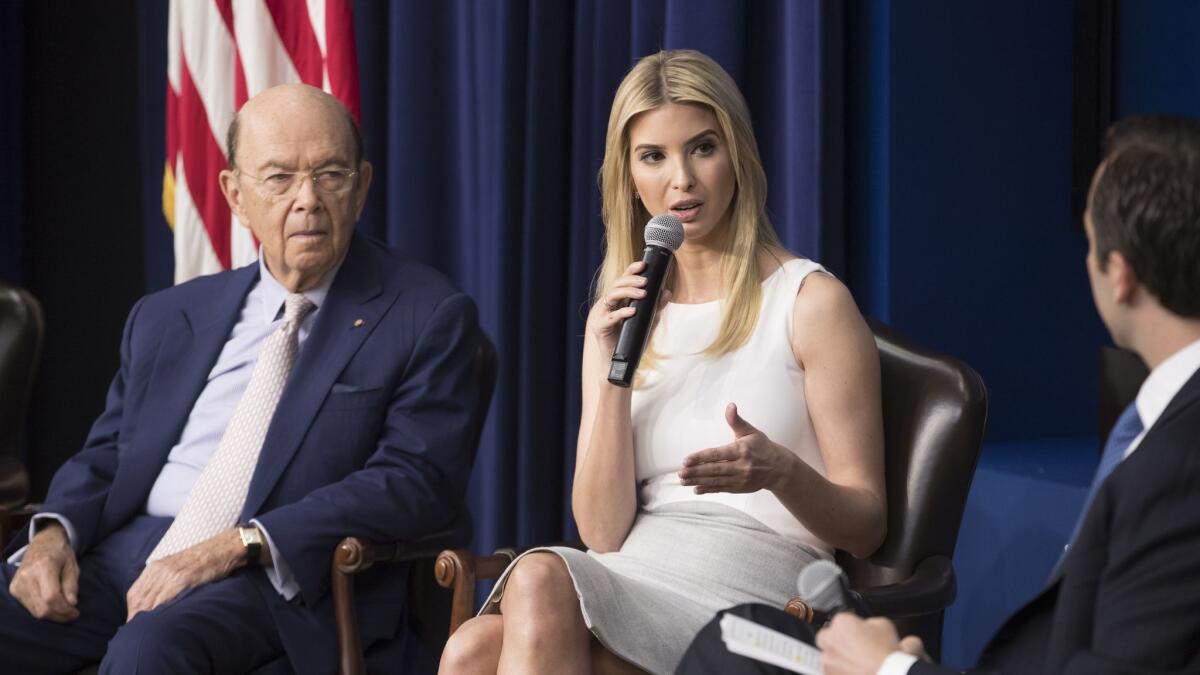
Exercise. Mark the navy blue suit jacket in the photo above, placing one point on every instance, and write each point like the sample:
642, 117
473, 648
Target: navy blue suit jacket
370, 437
1127, 599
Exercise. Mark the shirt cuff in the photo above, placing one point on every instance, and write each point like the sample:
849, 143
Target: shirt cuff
896, 663
278, 572
15, 559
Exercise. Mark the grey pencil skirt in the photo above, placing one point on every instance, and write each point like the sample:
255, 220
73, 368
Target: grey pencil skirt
681, 564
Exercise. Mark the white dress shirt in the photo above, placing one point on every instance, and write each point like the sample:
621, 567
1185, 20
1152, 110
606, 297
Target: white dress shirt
260, 316
1160, 387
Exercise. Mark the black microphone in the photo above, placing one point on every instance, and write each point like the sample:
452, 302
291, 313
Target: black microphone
663, 236
823, 585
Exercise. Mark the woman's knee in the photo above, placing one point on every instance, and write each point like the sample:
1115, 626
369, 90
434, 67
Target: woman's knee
474, 647
539, 579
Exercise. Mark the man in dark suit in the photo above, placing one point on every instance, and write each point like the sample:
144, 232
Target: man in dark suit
259, 416
1124, 596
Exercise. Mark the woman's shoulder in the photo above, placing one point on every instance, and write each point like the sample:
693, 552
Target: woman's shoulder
825, 313
821, 295
802, 271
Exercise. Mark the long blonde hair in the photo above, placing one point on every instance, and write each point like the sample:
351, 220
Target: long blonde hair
687, 76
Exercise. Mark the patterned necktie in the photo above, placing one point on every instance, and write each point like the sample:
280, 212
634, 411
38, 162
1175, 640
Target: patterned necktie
219, 494
1123, 433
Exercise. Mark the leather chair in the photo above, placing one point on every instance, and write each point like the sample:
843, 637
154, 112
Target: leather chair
428, 608
21, 332
934, 414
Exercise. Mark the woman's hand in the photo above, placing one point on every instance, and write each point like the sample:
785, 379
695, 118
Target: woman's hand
607, 315
748, 464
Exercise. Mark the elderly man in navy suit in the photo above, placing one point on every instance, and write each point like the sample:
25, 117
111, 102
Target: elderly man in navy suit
1124, 596
259, 416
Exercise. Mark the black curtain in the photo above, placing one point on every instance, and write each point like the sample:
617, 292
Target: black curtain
12, 47
71, 228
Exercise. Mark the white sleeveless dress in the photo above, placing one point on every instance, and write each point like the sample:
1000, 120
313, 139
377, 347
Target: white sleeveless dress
689, 556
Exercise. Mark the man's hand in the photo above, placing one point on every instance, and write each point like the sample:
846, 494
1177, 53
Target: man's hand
853, 646
164, 579
47, 582
914, 646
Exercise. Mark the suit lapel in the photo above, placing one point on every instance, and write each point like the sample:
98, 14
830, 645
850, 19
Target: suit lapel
191, 342
1186, 396
356, 294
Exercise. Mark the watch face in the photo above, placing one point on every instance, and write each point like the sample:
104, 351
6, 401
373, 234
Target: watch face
251, 537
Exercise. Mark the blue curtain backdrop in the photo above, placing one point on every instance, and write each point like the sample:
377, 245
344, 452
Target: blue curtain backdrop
485, 121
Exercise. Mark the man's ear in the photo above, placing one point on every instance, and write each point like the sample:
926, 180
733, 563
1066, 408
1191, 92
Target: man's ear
232, 190
365, 172
1124, 279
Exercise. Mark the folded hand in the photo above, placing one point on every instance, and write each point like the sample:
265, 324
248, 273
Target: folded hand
164, 579
47, 582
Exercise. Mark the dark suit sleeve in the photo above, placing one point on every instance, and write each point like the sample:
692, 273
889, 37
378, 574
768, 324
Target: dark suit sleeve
1146, 618
81, 486
415, 479
924, 668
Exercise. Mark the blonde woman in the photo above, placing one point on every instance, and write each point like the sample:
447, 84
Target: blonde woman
750, 445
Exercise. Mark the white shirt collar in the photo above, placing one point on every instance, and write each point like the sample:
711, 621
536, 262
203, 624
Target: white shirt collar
273, 293
1165, 381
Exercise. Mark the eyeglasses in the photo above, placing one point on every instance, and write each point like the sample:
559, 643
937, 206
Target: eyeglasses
282, 183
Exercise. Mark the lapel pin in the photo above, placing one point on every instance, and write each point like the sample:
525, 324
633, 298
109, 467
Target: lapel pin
358, 323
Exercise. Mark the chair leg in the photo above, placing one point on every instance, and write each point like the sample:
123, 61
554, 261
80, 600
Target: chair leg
347, 559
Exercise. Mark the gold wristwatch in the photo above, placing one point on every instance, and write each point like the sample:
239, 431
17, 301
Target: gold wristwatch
252, 541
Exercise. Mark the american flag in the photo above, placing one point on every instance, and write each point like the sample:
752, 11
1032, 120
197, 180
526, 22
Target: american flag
220, 53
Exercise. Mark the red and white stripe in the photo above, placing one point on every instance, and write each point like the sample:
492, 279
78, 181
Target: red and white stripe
220, 53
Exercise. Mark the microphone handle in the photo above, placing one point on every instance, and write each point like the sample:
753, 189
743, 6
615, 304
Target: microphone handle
635, 332
853, 602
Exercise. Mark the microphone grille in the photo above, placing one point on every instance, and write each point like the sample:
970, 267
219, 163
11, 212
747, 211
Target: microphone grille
819, 585
665, 231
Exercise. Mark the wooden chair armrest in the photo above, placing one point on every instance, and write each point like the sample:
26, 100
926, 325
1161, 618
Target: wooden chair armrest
799, 609
459, 569
357, 554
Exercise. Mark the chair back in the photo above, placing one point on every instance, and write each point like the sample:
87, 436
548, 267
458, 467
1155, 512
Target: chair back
934, 414
485, 375
21, 332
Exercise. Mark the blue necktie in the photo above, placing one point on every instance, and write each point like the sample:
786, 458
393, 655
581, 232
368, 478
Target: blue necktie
1127, 428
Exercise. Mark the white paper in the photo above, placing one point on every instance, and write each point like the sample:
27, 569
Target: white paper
758, 642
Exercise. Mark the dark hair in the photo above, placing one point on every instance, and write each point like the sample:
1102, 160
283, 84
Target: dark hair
231, 136
1146, 205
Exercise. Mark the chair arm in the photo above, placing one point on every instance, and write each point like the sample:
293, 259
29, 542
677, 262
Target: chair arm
930, 588
354, 555
459, 568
